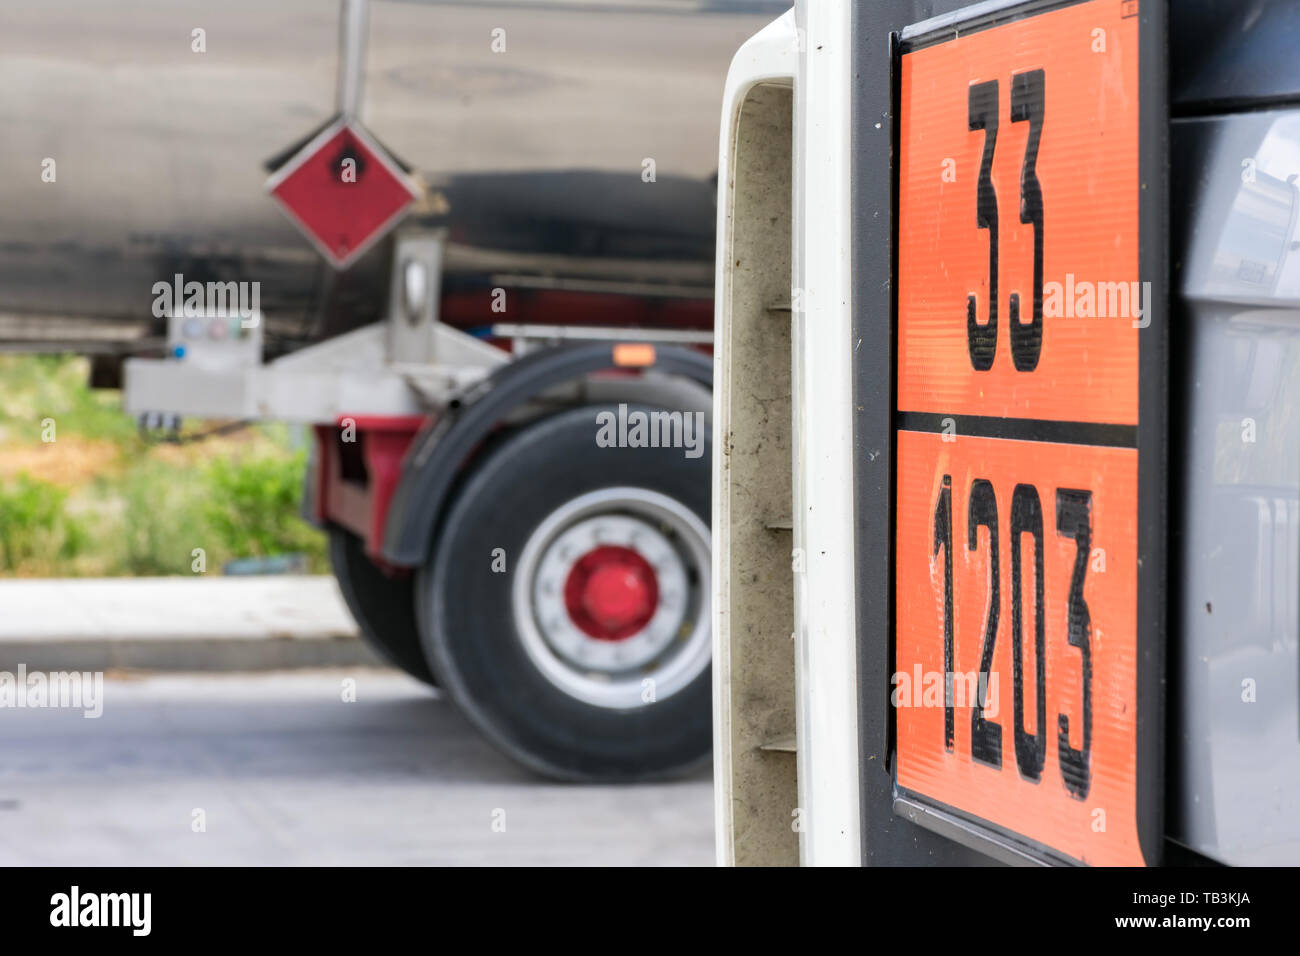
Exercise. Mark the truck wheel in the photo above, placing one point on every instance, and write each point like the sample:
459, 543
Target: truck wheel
384, 607
566, 605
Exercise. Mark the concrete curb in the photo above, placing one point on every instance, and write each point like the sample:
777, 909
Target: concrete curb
186, 654
178, 624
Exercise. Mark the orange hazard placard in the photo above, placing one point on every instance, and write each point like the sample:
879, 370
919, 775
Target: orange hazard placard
1018, 286
1005, 544
1020, 308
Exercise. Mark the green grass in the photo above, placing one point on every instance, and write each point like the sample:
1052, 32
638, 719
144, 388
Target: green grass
40, 387
34, 523
101, 500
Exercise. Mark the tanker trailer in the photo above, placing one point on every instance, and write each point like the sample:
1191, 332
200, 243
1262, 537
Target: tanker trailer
469, 244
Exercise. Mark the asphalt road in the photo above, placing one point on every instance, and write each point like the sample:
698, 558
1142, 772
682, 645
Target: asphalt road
285, 772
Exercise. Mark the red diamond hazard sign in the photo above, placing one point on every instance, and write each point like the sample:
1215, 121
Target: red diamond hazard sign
343, 191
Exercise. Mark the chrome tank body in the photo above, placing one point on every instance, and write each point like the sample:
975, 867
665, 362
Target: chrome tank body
532, 156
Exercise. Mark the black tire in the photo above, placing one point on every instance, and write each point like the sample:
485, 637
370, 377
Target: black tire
469, 627
384, 607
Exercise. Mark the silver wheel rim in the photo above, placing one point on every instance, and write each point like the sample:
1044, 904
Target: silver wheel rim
662, 657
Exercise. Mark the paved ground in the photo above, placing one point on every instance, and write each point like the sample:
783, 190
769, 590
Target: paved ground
285, 772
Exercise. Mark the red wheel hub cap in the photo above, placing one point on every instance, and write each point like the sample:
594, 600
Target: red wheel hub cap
611, 593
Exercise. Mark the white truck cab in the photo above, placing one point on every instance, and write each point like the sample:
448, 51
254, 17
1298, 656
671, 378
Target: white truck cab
785, 653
